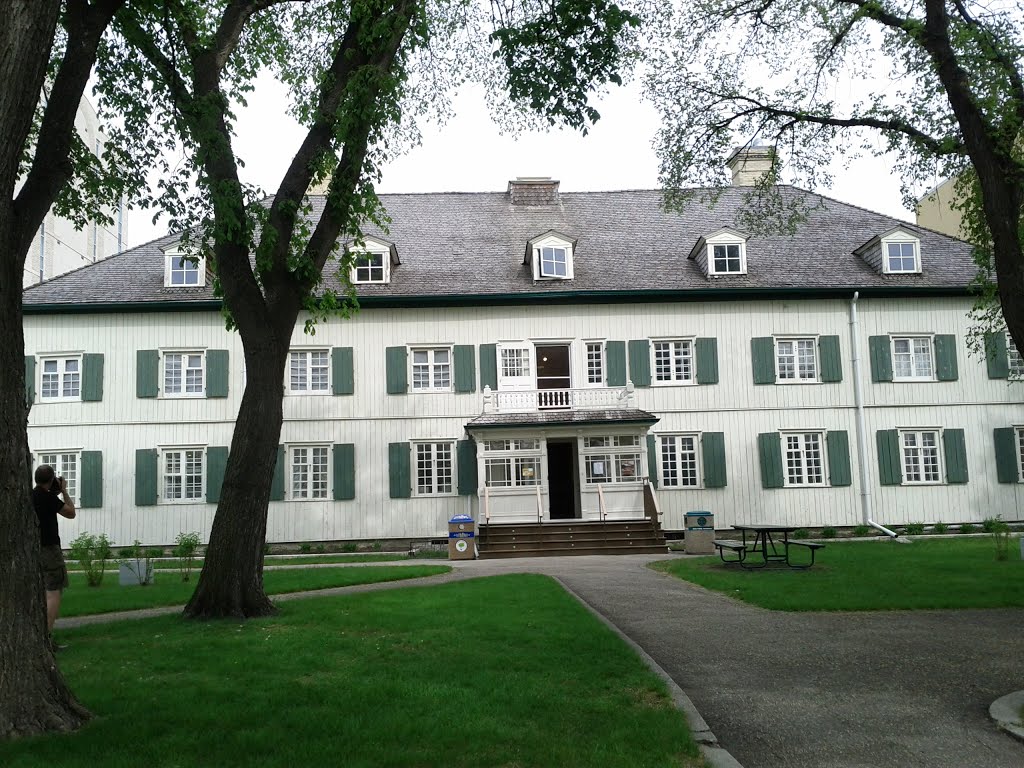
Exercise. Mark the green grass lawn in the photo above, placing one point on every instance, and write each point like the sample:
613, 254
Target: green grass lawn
169, 589
168, 564
501, 671
862, 576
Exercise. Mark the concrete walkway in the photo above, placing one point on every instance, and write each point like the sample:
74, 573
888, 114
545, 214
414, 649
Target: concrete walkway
905, 689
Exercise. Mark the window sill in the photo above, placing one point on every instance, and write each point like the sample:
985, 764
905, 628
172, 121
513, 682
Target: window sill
176, 396
434, 495
180, 502
434, 392
797, 382
912, 380
681, 488
680, 383
305, 499
806, 485
59, 400
916, 483
308, 393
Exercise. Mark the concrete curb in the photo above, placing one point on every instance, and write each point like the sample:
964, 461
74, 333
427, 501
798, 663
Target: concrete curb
1006, 711
714, 754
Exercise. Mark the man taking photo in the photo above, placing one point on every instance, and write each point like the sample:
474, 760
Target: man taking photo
50, 498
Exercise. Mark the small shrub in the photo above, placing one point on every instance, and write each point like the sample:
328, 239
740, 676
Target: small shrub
92, 553
320, 549
137, 560
1001, 537
305, 548
861, 530
968, 528
828, 532
801, 533
349, 546
185, 546
940, 527
991, 524
266, 549
376, 546
915, 529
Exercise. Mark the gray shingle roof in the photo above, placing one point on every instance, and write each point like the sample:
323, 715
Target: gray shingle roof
472, 244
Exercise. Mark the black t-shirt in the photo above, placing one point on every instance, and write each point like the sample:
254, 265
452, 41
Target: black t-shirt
47, 506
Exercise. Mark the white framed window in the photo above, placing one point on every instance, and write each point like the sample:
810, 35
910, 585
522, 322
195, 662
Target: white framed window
612, 459
371, 267
1014, 359
434, 468
184, 374
922, 456
673, 361
61, 378
554, 261
307, 468
901, 254
309, 371
513, 463
432, 369
182, 475
515, 362
796, 360
65, 464
680, 461
595, 363
551, 256
805, 458
912, 358
726, 259
184, 272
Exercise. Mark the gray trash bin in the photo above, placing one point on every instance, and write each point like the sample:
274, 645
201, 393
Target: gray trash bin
700, 533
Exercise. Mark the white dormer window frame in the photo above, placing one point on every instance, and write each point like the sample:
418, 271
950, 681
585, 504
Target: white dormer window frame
179, 267
371, 266
552, 258
901, 253
727, 254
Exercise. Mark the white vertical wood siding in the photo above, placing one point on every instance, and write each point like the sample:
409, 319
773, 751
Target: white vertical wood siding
371, 419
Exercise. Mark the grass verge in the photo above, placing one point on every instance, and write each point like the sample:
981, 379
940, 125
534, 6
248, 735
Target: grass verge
501, 671
168, 589
167, 564
871, 576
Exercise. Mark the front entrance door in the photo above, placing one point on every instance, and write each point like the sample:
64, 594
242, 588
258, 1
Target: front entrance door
553, 374
562, 479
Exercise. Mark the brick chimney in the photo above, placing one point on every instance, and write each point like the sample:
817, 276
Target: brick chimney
749, 164
533, 190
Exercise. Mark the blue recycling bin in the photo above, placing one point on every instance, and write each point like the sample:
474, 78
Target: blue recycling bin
699, 538
461, 538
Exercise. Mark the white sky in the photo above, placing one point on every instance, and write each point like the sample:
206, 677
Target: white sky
469, 155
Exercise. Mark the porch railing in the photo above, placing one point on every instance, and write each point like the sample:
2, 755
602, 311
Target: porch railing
532, 400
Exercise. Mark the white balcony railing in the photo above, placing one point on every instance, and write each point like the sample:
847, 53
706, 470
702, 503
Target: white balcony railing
533, 400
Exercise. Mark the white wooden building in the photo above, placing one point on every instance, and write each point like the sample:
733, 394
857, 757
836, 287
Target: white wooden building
535, 354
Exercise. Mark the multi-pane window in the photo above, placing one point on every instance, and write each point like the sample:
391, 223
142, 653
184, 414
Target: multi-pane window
912, 358
804, 459
433, 468
727, 258
673, 361
65, 464
183, 373
595, 363
369, 268
432, 369
612, 459
61, 379
512, 463
679, 461
1014, 359
515, 362
183, 474
796, 359
184, 271
308, 371
554, 261
921, 459
901, 257
309, 471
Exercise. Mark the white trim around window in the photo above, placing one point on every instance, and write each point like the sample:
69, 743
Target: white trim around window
182, 272
679, 461
60, 378
430, 369
1014, 360
727, 255
921, 456
594, 357
673, 362
804, 459
183, 373
796, 360
370, 267
552, 258
512, 464
182, 474
1018, 433
309, 372
913, 357
66, 463
433, 467
309, 472
901, 254
612, 459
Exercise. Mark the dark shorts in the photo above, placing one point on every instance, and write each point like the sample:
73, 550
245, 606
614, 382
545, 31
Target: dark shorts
55, 573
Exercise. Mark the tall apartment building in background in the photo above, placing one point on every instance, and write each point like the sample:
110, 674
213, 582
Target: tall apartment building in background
59, 246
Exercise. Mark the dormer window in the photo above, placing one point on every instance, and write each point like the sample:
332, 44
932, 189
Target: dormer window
723, 252
183, 271
369, 268
727, 258
550, 255
896, 252
372, 260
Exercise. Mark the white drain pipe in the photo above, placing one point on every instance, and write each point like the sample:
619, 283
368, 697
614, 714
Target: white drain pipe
862, 444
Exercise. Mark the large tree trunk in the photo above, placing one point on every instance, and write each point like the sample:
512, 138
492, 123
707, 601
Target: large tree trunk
231, 581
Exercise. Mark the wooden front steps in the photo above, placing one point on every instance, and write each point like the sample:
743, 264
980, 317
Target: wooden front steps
570, 537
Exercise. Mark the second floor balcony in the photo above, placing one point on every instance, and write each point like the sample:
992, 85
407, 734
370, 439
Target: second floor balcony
558, 399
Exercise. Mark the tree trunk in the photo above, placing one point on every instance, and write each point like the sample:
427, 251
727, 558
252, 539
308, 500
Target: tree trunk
231, 581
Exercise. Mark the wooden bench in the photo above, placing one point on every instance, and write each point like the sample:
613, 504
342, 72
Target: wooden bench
813, 546
737, 547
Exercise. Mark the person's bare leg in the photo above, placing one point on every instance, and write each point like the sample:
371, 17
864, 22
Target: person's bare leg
52, 608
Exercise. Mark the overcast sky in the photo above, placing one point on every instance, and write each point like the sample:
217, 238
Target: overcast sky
470, 155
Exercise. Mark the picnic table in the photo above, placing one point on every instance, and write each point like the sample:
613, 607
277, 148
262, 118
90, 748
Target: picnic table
769, 543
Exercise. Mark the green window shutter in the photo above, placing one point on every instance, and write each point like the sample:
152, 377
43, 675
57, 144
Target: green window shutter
399, 481
712, 448
945, 357
995, 356
615, 359
640, 362
216, 464
344, 471
489, 366
890, 460
652, 459
397, 370
465, 369
881, 358
277, 481
1007, 470
838, 446
91, 489
342, 371
955, 448
147, 373
706, 351
769, 448
92, 378
30, 379
762, 353
145, 477
466, 452
830, 360
216, 373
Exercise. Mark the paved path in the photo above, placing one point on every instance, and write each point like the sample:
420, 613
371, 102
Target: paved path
907, 689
